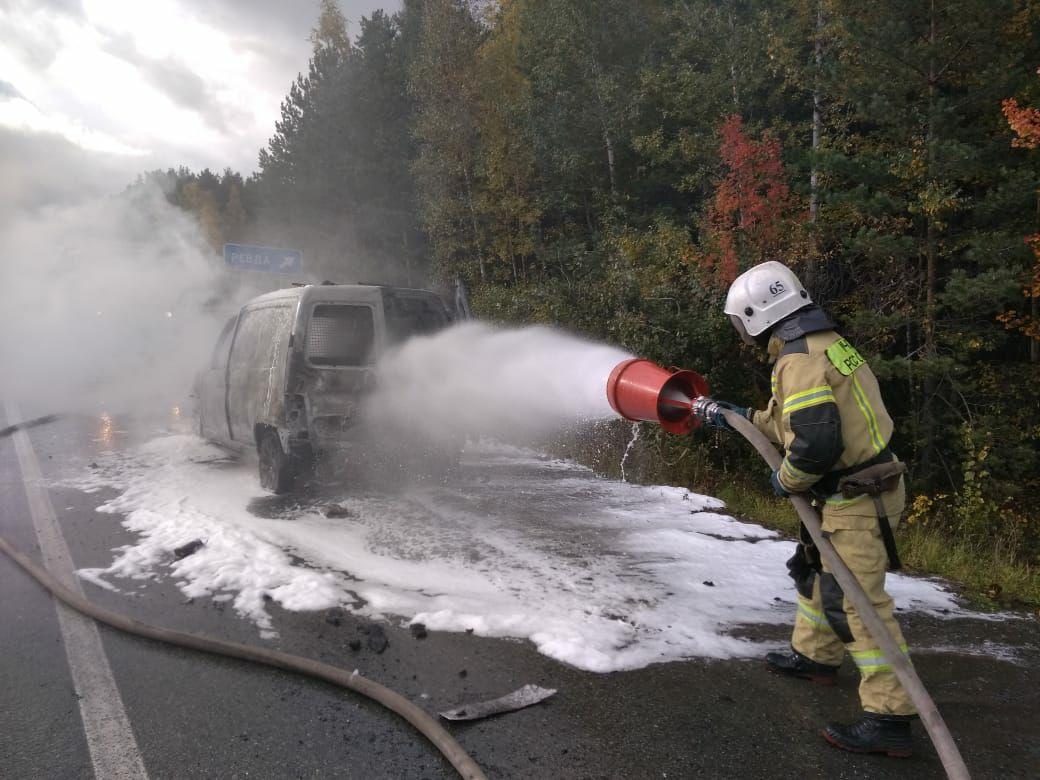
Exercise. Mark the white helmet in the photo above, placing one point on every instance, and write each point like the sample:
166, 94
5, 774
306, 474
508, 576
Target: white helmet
762, 296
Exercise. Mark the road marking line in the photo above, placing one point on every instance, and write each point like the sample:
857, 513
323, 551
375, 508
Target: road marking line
113, 748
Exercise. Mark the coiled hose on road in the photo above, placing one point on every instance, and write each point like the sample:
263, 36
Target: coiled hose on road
929, 713
423, 722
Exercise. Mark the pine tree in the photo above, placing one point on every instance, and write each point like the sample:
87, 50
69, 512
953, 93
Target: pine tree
580, 61
444, 82
509, 212
301, 170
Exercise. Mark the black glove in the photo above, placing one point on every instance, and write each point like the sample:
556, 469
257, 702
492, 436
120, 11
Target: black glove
778, 487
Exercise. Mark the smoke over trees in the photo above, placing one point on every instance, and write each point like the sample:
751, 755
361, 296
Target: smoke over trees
609, 166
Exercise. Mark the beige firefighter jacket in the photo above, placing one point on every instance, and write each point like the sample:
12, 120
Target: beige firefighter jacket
827, 414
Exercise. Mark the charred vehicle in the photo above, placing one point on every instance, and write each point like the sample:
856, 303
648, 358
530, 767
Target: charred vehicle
290, 370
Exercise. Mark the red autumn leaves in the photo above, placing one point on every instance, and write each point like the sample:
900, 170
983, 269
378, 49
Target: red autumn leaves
747, 221
1025, 122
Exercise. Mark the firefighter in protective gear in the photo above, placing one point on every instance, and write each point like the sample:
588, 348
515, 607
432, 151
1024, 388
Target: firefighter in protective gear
827, 414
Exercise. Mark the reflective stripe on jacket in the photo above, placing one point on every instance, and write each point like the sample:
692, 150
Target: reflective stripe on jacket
826, 409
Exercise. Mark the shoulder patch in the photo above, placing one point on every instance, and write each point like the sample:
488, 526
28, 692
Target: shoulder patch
844, 357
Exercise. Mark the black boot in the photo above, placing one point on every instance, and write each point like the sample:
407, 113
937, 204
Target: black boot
795, 664
888, 734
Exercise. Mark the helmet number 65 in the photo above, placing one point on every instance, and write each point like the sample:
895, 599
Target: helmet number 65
777, 287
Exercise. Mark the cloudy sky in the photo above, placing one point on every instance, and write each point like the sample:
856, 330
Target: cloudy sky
93, 91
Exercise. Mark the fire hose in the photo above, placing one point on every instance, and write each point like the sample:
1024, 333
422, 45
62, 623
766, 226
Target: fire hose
417, 717
904, 670
678, 400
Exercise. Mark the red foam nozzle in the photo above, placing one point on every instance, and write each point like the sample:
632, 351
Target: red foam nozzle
640, 390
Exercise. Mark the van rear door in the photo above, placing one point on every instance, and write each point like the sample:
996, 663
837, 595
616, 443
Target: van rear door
256, 370
339, 347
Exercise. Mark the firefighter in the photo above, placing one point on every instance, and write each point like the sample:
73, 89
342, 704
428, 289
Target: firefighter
826, 413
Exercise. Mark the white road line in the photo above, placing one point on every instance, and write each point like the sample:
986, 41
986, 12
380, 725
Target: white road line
113, 748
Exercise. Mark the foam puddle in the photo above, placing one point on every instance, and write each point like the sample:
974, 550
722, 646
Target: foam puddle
599, 574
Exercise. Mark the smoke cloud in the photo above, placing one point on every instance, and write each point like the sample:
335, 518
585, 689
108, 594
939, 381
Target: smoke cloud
109, 304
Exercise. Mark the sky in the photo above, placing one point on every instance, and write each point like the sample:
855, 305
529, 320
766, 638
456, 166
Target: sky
94, 91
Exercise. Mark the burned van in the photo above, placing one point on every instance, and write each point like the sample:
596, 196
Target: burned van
290, 370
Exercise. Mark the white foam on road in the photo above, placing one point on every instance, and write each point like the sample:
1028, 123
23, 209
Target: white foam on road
93, 576
596, 573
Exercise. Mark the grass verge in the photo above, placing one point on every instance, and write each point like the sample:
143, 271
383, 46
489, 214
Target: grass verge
991, 577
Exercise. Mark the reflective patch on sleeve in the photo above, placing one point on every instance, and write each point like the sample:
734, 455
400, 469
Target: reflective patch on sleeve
844, 357
789, 469
811, 397
794, 479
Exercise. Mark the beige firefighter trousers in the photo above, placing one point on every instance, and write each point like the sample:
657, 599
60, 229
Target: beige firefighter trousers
828, 625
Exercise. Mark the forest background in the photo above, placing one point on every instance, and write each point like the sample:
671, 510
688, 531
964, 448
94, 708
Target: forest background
610, 167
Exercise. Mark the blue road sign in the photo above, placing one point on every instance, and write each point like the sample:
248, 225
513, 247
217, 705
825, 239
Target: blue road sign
263, 258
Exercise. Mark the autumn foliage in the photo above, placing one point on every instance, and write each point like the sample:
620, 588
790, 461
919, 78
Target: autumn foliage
1025, 122
1025, 323
753, 206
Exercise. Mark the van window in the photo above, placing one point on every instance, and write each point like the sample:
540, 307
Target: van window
408, 316
340, 335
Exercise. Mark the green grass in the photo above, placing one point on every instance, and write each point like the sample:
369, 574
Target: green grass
758, 507
990, 575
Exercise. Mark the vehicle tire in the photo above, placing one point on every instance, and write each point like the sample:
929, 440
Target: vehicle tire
304, 467
276, 471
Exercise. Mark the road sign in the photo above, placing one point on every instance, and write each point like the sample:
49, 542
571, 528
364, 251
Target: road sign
263, 258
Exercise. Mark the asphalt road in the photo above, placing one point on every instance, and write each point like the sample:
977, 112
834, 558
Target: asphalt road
197, 716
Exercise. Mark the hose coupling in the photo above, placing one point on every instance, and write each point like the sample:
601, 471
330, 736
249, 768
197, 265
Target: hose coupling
706, 409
